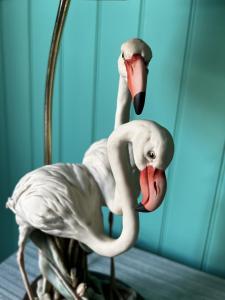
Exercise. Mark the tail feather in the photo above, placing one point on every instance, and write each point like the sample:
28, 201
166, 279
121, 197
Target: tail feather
10, 204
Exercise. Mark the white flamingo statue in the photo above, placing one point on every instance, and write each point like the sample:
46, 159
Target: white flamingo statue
133, 60
132, 66
64, 200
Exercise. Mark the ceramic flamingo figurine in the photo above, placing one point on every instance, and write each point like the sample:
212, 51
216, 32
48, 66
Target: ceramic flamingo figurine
132, 66
64, 200
135, 55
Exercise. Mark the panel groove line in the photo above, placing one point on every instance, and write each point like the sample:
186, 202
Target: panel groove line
178, 114
30, 71
213, 211
141, 18
96, 69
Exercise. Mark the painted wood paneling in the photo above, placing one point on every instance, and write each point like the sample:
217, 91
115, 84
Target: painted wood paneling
212, 260
199, 137
185, 93
15, 51
214, 248
6, 218
168, 42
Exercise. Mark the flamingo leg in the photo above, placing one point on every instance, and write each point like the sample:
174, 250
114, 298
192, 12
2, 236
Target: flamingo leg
51, 263
112, 262
46, 285
57, 295
23, 234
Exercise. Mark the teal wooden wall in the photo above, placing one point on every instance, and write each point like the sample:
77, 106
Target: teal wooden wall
186, 93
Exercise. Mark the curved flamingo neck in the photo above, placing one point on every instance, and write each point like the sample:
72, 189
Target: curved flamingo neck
117, 148
119, 161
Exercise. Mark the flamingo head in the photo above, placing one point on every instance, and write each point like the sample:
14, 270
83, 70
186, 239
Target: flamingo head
153, 150
133, 66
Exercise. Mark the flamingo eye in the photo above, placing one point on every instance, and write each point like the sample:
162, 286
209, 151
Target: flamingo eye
151, 154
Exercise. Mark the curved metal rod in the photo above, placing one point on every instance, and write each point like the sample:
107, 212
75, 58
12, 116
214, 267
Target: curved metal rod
56, 38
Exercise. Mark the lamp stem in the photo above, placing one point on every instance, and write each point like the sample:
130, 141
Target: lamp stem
56, 38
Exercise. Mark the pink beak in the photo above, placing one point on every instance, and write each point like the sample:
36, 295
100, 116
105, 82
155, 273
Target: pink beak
153, 187
137, 80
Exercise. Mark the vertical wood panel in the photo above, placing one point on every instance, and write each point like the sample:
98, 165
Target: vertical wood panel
6, 219
213, 259
16, 69
78, 72
168, 45
176, 112
17, 87
200, 138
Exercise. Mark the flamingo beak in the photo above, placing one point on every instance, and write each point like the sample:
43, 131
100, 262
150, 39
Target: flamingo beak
137, 80
153, 188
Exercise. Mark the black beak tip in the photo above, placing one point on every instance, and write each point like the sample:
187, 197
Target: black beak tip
141, 208
139, 102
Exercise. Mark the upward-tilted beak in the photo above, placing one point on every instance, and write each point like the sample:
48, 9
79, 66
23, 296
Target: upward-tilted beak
137, 80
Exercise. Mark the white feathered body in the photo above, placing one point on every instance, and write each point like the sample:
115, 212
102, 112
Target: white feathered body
60, 199
97, 162
65, 200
